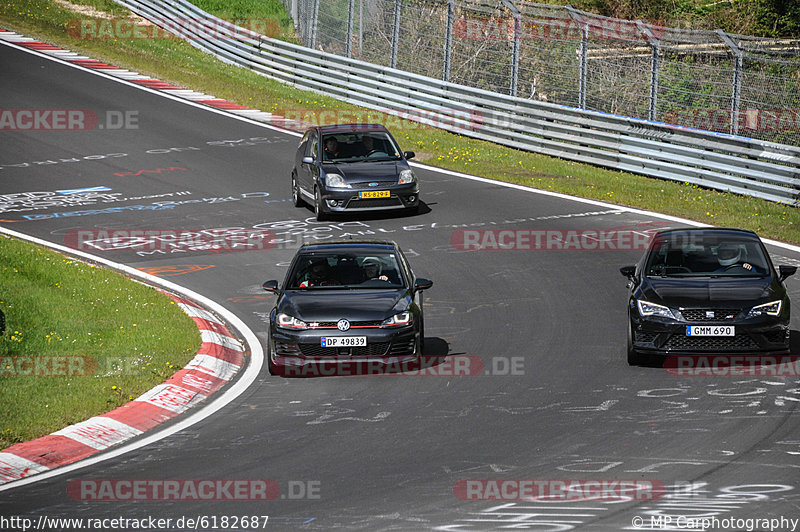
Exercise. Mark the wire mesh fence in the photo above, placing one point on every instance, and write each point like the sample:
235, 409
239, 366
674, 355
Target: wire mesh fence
708, 80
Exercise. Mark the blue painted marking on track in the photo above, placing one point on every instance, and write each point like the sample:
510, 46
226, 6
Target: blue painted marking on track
83, 190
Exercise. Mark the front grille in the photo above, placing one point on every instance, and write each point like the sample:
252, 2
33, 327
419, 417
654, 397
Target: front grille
374, 202
332, 324
377, 349
710, 343
380, 184
775, 337
644, 337
403, 347
720, 314
286, 349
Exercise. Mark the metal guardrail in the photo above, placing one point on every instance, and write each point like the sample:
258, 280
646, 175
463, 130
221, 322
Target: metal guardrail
718, 161
703, 79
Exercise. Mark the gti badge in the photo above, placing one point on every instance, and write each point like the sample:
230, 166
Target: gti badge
343, 325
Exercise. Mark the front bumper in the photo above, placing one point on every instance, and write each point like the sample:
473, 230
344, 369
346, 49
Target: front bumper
349, 200
762, 335
301, 352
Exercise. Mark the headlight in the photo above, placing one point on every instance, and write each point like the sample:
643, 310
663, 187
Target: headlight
772, 308
336, 181
290, 322
406, 177
651, 309
398, 320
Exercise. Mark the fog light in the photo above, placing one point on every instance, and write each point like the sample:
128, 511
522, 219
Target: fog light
333, 203
411, 199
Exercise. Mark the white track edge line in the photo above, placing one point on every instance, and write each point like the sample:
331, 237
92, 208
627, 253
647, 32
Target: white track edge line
245, 379
453, 173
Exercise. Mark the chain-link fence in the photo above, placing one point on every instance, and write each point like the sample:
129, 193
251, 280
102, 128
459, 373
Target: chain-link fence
708, 80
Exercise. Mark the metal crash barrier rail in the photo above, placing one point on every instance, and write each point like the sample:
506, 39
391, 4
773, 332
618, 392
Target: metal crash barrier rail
717, 161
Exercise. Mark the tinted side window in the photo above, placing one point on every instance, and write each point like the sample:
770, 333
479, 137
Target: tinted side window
312, 147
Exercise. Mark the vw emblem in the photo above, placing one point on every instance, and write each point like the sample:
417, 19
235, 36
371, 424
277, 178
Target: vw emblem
373, 184
343, 325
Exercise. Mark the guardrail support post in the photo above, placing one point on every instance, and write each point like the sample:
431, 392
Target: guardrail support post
348, 45
736, 89
448, 40
395, 33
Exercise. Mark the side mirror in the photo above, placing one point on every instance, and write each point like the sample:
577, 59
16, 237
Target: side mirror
409, 154
422, 284
271, 286
628, 271
786, 271
308, 160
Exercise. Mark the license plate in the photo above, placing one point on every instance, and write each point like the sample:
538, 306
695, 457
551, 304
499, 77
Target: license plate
344, 341
369, 194
710, 330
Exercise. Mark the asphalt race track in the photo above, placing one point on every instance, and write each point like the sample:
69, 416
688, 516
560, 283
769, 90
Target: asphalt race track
547, 395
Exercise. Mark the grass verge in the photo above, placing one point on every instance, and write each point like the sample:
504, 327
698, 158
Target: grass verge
79, 341
179, 63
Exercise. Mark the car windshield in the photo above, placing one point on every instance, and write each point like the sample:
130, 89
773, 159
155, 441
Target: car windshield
360, 146
688, 254
368, 270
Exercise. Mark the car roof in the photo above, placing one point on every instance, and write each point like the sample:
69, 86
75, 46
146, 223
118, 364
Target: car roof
350, 128
349, 245
709, 231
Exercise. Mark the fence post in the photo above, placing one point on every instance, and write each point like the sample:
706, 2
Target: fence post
348, 46
448, 40
652, 113
736, 89
515, 53
578, 17
395, 33
314, 20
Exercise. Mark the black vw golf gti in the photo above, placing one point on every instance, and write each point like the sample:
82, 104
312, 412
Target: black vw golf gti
352, 168
706, 291
346, 302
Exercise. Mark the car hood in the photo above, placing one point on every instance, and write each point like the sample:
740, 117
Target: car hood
335, 304
367, 172
709, 291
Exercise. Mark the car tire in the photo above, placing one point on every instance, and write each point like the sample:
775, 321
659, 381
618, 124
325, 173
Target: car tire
297, 199
318, 212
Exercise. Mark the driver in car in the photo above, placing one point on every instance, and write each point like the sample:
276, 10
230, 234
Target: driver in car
367, 145
729, 255
372, 269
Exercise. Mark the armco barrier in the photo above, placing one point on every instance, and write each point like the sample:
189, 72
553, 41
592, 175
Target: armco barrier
735, 164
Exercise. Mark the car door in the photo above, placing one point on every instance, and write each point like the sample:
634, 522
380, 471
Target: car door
306, 173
